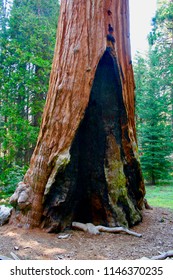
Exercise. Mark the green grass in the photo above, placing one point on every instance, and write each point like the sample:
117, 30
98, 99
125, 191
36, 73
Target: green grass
160, 196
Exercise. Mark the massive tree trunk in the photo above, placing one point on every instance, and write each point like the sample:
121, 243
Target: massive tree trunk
85, 166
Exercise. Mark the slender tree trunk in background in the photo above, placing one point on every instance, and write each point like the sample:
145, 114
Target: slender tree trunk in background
85, 166
153, 181
35, 99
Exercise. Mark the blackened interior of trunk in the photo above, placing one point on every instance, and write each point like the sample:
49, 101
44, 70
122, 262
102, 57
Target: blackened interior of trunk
80, 191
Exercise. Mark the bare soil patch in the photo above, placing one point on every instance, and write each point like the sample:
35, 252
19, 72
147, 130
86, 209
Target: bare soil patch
35, 244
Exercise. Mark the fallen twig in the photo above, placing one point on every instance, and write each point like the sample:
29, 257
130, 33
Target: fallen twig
163, 256
14, 256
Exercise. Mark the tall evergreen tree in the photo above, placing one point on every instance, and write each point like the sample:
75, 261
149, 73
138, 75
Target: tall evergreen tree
154, 93
161, 41
4, 25
26, 59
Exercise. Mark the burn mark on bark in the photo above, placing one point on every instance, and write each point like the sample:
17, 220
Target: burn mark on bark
110, 37
109, 12
80, 191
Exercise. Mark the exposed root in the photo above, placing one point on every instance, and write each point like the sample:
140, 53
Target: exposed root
147, 206
89, 227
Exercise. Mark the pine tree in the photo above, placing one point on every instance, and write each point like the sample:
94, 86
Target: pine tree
153, 81
26, 57
161, 41
4, 25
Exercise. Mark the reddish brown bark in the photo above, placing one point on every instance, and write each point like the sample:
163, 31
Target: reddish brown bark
81, 43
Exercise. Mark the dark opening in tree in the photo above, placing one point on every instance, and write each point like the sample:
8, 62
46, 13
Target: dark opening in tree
85, 166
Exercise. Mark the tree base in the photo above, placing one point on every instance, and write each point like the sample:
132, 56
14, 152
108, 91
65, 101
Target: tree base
100, 183
99, 180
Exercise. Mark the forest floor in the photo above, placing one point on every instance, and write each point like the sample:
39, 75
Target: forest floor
156, 230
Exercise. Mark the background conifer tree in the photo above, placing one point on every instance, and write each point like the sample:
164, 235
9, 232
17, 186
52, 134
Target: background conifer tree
28, 33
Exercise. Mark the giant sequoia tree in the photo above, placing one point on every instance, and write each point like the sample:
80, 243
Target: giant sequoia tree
85, 166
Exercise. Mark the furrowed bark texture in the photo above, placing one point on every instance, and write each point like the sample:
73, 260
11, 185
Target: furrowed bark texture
85, 166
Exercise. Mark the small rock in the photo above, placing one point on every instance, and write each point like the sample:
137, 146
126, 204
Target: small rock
64, 236
22, 197
5, 213
16, 248
19, 226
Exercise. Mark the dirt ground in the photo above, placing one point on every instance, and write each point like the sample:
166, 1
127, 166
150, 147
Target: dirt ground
156, 230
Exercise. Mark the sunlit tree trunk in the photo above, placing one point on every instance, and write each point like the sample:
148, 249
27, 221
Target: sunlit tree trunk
85, 166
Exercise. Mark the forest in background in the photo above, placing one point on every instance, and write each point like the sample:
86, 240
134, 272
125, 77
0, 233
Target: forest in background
27, 40
154, 98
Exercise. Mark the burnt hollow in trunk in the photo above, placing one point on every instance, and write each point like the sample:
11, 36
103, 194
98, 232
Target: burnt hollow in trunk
80, 191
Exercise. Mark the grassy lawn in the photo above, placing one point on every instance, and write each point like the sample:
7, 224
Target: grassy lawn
160, 196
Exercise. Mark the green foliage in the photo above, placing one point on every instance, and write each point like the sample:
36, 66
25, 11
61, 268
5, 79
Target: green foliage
153, 75
12, 176
9, 179
27, 39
